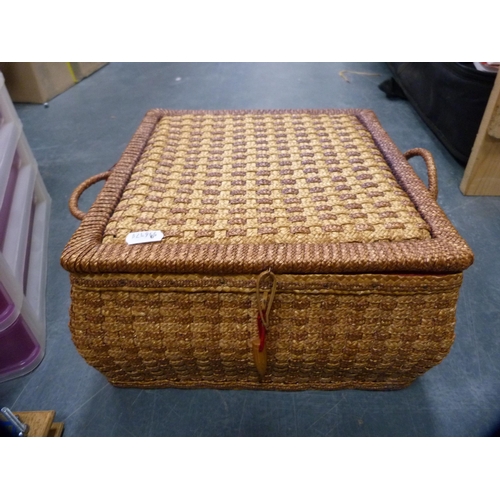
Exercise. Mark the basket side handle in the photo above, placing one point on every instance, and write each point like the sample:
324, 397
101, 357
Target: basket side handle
75, 196
431, 168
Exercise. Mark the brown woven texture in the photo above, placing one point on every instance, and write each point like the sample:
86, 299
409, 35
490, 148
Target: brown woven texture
364, 268
326, 332
221, 217
231, 179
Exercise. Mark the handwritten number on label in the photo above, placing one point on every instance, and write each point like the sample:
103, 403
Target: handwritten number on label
143, 237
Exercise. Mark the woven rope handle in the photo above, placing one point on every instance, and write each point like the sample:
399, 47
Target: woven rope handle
73, 201
431, 168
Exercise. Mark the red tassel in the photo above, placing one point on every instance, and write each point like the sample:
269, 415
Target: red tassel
262, 333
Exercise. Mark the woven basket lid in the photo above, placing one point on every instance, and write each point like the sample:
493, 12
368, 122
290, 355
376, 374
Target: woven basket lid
302, 191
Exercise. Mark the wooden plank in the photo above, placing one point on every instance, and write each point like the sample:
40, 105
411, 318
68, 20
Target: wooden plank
56, 429
482, 174
39, 421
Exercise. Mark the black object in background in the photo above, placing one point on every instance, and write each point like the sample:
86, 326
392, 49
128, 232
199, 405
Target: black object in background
449, 97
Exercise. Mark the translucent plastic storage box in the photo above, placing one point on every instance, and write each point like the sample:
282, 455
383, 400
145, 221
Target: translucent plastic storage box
22, 342
24, 217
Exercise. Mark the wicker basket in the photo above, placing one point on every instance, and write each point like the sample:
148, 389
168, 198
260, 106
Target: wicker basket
298, 250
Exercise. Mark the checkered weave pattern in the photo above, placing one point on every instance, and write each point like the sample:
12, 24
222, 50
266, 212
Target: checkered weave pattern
326, 332
278, 178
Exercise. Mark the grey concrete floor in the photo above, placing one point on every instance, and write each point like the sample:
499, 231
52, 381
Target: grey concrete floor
84, 131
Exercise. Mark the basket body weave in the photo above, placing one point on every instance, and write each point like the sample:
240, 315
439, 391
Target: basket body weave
365, 267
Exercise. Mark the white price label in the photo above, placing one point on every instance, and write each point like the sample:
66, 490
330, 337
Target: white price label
143, 237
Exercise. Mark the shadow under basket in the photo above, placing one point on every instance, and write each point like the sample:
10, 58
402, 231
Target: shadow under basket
283, 250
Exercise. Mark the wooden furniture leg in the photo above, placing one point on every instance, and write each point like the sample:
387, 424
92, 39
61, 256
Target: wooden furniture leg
482, 173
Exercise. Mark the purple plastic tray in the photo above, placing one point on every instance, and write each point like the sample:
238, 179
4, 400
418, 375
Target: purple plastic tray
18, 348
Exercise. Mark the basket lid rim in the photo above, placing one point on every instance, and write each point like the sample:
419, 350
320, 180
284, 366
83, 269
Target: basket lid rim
444, 252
